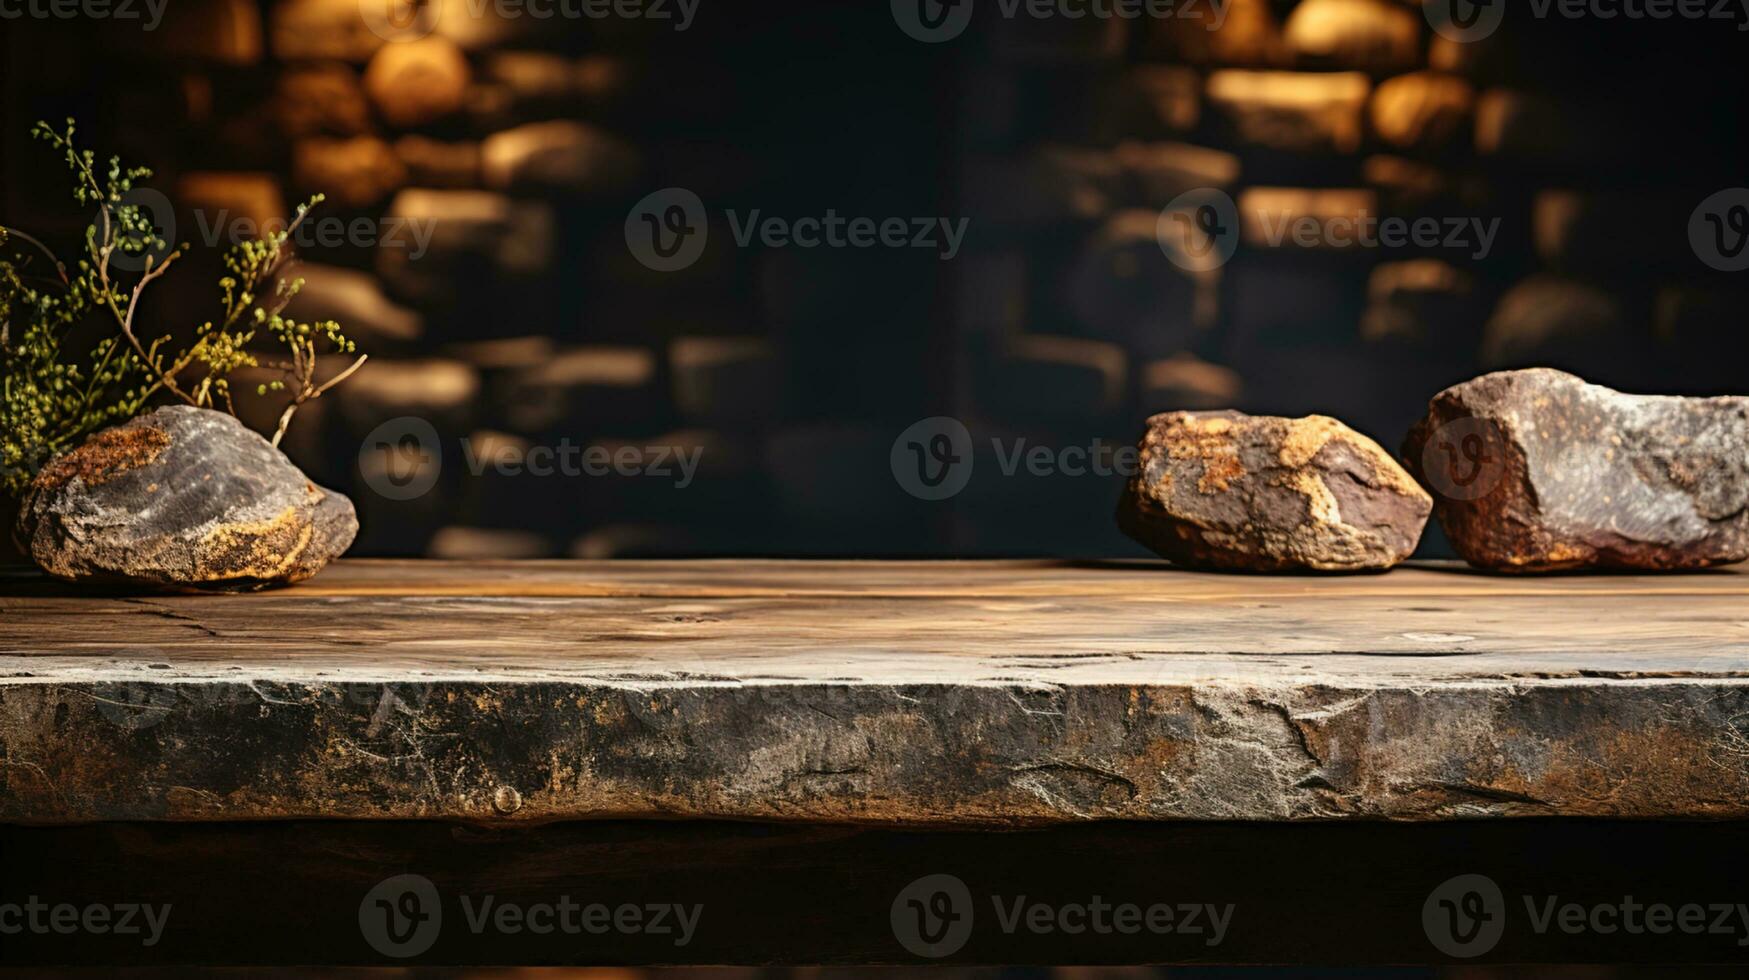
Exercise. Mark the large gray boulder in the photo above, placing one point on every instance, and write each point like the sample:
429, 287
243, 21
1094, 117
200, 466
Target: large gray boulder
181, 498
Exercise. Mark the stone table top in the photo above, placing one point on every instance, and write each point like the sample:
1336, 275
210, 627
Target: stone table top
975, 693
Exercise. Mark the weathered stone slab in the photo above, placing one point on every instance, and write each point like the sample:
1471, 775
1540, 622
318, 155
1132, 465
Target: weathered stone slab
1538, 471
964, 692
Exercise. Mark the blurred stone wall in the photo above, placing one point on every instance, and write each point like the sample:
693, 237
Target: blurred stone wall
1164, 210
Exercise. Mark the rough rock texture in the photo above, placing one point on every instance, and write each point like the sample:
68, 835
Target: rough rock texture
182, 498
1538, 471
1228, 491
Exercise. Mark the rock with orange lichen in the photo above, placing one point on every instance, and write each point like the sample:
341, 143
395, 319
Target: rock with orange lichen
1539, 471
1234, 492
181, 498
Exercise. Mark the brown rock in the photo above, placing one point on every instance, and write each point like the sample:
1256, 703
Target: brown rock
1294, 112
1538, 471
353, 173
1424, 111
561, 156
1239, 32
181, 498
1233, 492
1368, 35
321, 100
433, 163
416, 82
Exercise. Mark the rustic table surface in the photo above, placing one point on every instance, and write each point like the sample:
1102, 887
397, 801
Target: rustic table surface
1321, 751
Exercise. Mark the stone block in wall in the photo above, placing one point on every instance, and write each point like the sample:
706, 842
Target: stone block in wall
1550, 321
460, 543
559, 157
1123, 288
1424, 305
534, 79
441, 392
321, 30
437, 164
232, 204
1292, 112
1381, 37
1185, 382
225, 32
413, 83
356, 300
1158, 172
1051, 185
321, 100
726, 382
1046, 379
353, 173
1161, 100
503, 354
583, 391
1236, 33
1325, 219
1425, 111
440, 245
1408, 187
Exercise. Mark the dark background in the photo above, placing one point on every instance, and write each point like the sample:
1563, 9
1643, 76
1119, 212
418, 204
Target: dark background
1060, 321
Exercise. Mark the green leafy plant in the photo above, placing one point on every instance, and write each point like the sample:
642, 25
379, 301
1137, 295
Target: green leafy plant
56, 391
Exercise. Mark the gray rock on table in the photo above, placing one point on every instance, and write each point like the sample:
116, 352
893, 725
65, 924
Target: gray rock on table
1234, 492
181, 498
1537, 471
